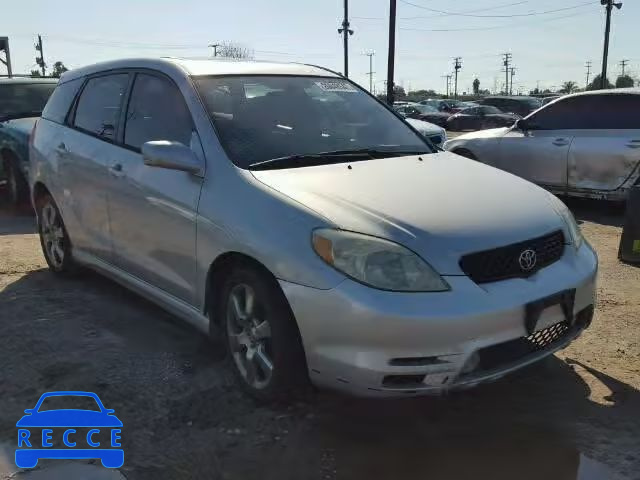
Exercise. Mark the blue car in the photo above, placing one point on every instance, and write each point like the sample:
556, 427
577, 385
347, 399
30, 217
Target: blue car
31, 449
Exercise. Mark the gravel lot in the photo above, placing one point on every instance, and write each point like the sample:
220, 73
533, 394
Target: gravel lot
575, 415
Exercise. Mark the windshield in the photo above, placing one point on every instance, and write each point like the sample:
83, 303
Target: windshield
24, 98
259, 118
66, 402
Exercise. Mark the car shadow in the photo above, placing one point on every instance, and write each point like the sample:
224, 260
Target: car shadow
596, 211
17, 221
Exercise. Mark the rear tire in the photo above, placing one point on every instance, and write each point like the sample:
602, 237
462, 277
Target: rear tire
54, 239
17, 186
261, 336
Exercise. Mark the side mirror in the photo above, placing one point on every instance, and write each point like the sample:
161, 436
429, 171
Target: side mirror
171, 155
29, 411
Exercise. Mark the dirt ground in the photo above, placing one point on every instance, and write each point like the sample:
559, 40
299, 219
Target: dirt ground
575, 415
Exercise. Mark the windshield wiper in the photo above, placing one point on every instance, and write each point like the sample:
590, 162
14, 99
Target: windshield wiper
336, 156
13, 116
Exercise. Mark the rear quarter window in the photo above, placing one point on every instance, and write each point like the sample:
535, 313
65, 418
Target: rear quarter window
60, 101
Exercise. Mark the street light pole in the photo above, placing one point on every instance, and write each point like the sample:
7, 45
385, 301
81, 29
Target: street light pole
346, 31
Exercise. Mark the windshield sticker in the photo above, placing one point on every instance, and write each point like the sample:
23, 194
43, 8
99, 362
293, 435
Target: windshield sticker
336, 86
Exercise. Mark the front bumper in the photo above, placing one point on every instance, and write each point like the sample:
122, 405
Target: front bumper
376, 343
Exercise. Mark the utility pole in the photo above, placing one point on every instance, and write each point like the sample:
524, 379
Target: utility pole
623, 64
513, 72
609, 4
457, 66
371, 72
4, 47
392, 50
507, 61
448, 78
40, 59
346, 31
588, 67
215, 48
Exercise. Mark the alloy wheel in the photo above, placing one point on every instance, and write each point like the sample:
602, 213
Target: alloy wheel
249, 336
53, 236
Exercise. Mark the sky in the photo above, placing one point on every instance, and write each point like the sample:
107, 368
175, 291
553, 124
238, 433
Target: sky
547, 48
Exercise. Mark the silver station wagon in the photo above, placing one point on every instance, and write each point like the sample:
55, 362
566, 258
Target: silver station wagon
287, 212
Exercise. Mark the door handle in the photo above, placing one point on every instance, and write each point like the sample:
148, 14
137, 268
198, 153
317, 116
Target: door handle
62, 148
560, 142
116, 170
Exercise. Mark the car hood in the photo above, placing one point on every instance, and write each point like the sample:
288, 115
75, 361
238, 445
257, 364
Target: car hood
489, 133
425, 127
442, 207
69, 418
21, 125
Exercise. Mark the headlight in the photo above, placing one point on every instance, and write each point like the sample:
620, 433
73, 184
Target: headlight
570, 221
376, 262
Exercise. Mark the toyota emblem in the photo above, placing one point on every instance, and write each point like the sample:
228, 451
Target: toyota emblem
528, 260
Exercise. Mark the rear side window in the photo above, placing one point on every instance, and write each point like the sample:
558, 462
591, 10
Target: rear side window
99, 105
60, 102
610, 112
590, 112
157, 111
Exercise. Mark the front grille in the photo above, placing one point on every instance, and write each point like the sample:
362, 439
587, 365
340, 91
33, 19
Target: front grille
504, 262
436, 139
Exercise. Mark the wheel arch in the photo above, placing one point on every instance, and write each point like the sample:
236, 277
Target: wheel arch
217, 272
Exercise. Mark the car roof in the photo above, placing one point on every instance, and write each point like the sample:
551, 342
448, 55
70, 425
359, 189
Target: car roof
609, 91
26, 80
203, 67
507, 97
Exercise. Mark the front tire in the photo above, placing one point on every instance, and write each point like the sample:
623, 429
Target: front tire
263, 342
54, 239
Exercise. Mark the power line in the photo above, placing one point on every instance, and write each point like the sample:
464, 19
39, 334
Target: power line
487, 9
530, 14
494, 27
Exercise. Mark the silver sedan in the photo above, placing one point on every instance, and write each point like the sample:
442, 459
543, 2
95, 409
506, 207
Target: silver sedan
283, 210
583, 145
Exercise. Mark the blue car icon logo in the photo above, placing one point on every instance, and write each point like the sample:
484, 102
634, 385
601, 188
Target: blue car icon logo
40, 427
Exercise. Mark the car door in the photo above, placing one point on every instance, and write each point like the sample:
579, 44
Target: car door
83, 153
539, 151
606, 151
152, 210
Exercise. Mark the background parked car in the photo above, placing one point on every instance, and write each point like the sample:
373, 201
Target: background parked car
519, 105
437, 135
424, 112
586, 144
21, 103
480, 117
441, 105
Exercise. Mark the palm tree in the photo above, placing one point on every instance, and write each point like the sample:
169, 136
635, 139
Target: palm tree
569, 87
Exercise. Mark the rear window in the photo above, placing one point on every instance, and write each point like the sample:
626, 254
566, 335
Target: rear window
26, 99
60, 102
